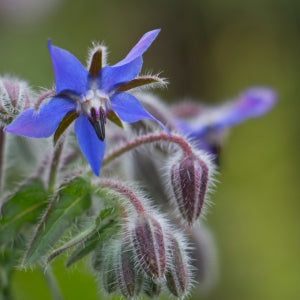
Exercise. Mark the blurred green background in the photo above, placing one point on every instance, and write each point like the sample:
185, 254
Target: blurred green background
209, 50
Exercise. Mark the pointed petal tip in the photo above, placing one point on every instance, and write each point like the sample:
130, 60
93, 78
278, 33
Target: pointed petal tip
92, 148
263, 92
140, 48
151, 35
260, 98
49, 45
96, 171
154, 32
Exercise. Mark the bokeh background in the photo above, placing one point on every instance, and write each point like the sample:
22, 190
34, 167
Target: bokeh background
210, 50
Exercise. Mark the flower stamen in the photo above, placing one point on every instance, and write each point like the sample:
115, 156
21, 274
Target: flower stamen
98, 121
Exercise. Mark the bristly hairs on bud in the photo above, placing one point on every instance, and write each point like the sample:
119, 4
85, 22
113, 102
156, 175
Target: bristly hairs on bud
152, 288
146, 228
104, 263
179, 273
148, 240
15, 96
175, 185
129, 278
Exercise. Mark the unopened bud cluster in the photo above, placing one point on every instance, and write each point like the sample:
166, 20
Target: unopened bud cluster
15, 96
146, 258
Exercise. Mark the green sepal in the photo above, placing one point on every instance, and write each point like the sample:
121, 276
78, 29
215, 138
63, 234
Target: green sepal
72, 201
107, 225
96, 62
140, 81
113, 117
21, 209
64, 124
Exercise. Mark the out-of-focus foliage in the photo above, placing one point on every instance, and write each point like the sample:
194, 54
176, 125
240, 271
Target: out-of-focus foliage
208, 50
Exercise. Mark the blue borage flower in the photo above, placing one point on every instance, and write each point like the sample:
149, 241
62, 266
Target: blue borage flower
208, 124
90, 97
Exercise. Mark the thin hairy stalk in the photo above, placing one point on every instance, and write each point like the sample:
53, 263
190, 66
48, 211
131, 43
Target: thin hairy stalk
148, 139
125, 191
79, 239
6, 286
55, 164
44, 96
52, 284
2, 153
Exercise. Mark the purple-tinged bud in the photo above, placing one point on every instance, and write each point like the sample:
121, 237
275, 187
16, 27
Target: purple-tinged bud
189, 180
15, 96
178, 278
149, 246
130, 281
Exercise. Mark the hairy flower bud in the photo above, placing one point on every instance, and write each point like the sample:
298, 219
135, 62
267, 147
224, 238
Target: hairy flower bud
105, 266
15, 96
129, 279
178, 278
149, 246
189, 180
152, 288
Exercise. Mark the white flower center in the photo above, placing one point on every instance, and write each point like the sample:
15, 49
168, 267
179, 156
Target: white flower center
94, 99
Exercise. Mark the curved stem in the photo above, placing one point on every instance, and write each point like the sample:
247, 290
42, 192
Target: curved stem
122, 189
147, 139
44, 96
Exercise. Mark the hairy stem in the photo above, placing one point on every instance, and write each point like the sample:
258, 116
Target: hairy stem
147, 139
52, 284
55, 164
122, 189
2, 153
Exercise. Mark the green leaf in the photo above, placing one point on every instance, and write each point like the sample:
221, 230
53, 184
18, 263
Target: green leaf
96, 62
107, 225
72, 201
24, 207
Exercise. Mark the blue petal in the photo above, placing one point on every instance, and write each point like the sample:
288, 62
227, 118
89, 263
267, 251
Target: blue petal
131, 110
253, 103
140, 48
44, 122
92, 148
70, 74
112, 77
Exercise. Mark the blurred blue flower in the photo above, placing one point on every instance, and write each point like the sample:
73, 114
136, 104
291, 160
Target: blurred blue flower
89, 96
208, 125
